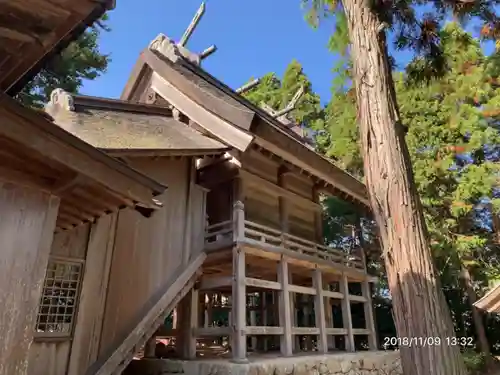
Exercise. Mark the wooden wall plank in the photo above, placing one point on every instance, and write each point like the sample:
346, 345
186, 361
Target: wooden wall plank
71, 243
48, 358
28, 219
146, 250
88, 327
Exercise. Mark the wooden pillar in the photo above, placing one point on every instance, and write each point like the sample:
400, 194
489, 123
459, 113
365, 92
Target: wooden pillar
174, 319
194, 319
208, 320
284, 309
329, 323
264, 313
239, 306
370, 321
306, 313
150, 348
253, 322
238, 310
295, 322
293, 315
319, 310
186, 254
346, 314
27, 223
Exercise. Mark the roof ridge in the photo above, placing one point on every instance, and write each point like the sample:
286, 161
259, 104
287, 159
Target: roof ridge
63, 100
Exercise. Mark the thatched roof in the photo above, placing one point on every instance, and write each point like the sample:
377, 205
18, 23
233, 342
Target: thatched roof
117, 126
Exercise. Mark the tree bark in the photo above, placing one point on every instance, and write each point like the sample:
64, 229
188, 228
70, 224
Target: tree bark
420, 308
482, 340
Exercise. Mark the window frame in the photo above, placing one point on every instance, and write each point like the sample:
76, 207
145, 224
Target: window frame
61, 335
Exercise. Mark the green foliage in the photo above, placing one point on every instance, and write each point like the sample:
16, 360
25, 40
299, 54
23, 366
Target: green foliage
452, 128
80, 61
277, 94
475, 362
416, 25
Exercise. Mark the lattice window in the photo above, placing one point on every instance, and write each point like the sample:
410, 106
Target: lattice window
58, 304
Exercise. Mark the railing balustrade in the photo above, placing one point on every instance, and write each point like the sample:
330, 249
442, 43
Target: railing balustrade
222, 233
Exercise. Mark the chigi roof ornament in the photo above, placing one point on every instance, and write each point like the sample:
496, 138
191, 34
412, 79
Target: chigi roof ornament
173, 51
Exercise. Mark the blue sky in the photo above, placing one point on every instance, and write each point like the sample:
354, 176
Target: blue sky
253, 38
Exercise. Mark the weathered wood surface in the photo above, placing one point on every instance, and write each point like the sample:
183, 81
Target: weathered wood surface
47, 355
27, 226
48, 358
31, 29
146, 250
177, 286
85, 347
71, 244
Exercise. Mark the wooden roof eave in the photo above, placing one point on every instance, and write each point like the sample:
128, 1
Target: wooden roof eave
151, 61
20, 68
491, 301
289, 149
226, 132
34, 132
127, 152
268, 129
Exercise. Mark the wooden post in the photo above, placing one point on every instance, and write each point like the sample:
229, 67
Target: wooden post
150, 348
306, 312
238, 221
293, 314
239, 306
193, 323
319, 310
253, 322
329, 323
295, 322
208, 310
264, 311
370, 321
346, 314
284, 309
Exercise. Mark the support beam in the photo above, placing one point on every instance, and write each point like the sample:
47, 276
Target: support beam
265, 284
370, 321
329, 323
264, 313
193, 323
346, 314
239, 307
253, 324
215, 282
293, 313
284, 309
208, 319
319, 311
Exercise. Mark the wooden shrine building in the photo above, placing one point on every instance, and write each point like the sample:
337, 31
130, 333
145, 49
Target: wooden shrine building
50, 181
98, 253
248, 189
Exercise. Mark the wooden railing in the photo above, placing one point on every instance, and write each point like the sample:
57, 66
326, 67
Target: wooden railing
222, 234
219, 232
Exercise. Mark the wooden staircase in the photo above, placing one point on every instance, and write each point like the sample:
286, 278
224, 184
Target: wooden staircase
180, 284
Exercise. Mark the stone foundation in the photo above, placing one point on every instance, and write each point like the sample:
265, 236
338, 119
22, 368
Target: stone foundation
360, 363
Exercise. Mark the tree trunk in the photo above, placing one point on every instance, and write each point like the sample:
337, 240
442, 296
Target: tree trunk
482, 340
420, 308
